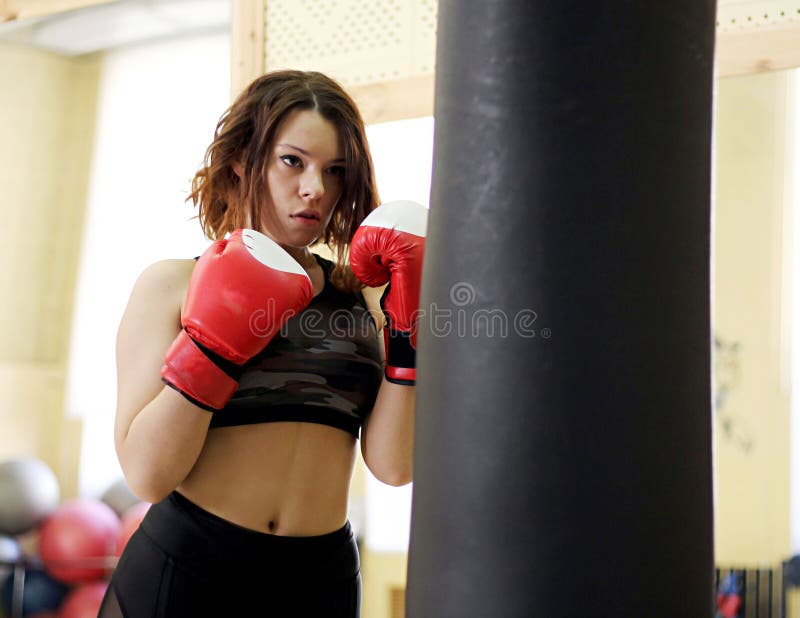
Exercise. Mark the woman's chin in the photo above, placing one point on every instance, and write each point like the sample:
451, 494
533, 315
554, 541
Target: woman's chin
295, 238
299, 241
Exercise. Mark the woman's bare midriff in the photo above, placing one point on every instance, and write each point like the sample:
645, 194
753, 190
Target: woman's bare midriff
288, 479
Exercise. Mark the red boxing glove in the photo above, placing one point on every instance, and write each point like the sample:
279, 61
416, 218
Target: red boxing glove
388, 247
242, 291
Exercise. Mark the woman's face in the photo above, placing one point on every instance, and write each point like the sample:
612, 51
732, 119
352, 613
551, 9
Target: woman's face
305, 176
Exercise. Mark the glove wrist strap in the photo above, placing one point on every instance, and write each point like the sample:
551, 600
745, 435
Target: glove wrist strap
190, 369
401, 357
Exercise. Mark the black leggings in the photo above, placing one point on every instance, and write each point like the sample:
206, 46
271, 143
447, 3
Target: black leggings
185, 561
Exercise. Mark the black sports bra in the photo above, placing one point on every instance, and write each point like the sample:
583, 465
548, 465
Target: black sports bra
323, 367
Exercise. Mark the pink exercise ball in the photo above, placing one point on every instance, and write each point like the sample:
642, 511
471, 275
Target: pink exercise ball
77, 542
130, 523
84, 601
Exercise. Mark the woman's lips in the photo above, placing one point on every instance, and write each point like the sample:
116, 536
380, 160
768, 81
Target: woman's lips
306, 217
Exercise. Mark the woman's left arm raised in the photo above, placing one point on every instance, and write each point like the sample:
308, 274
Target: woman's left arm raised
387, 437
388, 247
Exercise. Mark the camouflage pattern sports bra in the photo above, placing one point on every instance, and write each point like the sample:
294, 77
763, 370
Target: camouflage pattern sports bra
324, 367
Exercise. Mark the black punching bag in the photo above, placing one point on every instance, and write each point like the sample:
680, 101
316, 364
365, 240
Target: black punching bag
563, 423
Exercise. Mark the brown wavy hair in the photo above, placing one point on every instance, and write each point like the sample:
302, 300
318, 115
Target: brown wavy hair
245, 134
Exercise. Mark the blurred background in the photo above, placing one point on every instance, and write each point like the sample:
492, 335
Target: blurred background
107, 107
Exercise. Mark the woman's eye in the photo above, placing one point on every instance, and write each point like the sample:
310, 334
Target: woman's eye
337, 170
291, 160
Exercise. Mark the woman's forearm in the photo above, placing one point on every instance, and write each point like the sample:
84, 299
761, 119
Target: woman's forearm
162, 444
387, 441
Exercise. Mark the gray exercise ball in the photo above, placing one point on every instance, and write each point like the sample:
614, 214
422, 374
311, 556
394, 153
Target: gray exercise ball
29, 492
119, 497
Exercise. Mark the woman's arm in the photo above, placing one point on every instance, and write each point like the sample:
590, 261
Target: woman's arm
387, 438
158, 433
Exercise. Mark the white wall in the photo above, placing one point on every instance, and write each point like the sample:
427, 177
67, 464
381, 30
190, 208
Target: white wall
793, 190
403, 155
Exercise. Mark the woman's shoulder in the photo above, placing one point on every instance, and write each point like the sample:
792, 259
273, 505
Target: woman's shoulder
167, 272
165, 278
154, 307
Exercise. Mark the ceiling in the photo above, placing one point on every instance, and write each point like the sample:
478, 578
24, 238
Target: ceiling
116, 24
125, 22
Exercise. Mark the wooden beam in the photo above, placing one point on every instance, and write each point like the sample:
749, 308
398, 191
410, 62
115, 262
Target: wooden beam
756, 50
395, 100
11, 10
247, 43
737, 53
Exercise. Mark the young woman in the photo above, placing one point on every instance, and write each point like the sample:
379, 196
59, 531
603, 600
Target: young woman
245, 377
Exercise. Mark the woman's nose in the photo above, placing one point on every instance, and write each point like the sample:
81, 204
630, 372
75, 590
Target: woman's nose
311, 185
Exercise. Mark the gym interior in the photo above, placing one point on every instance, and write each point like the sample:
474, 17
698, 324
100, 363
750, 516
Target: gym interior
108, 107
